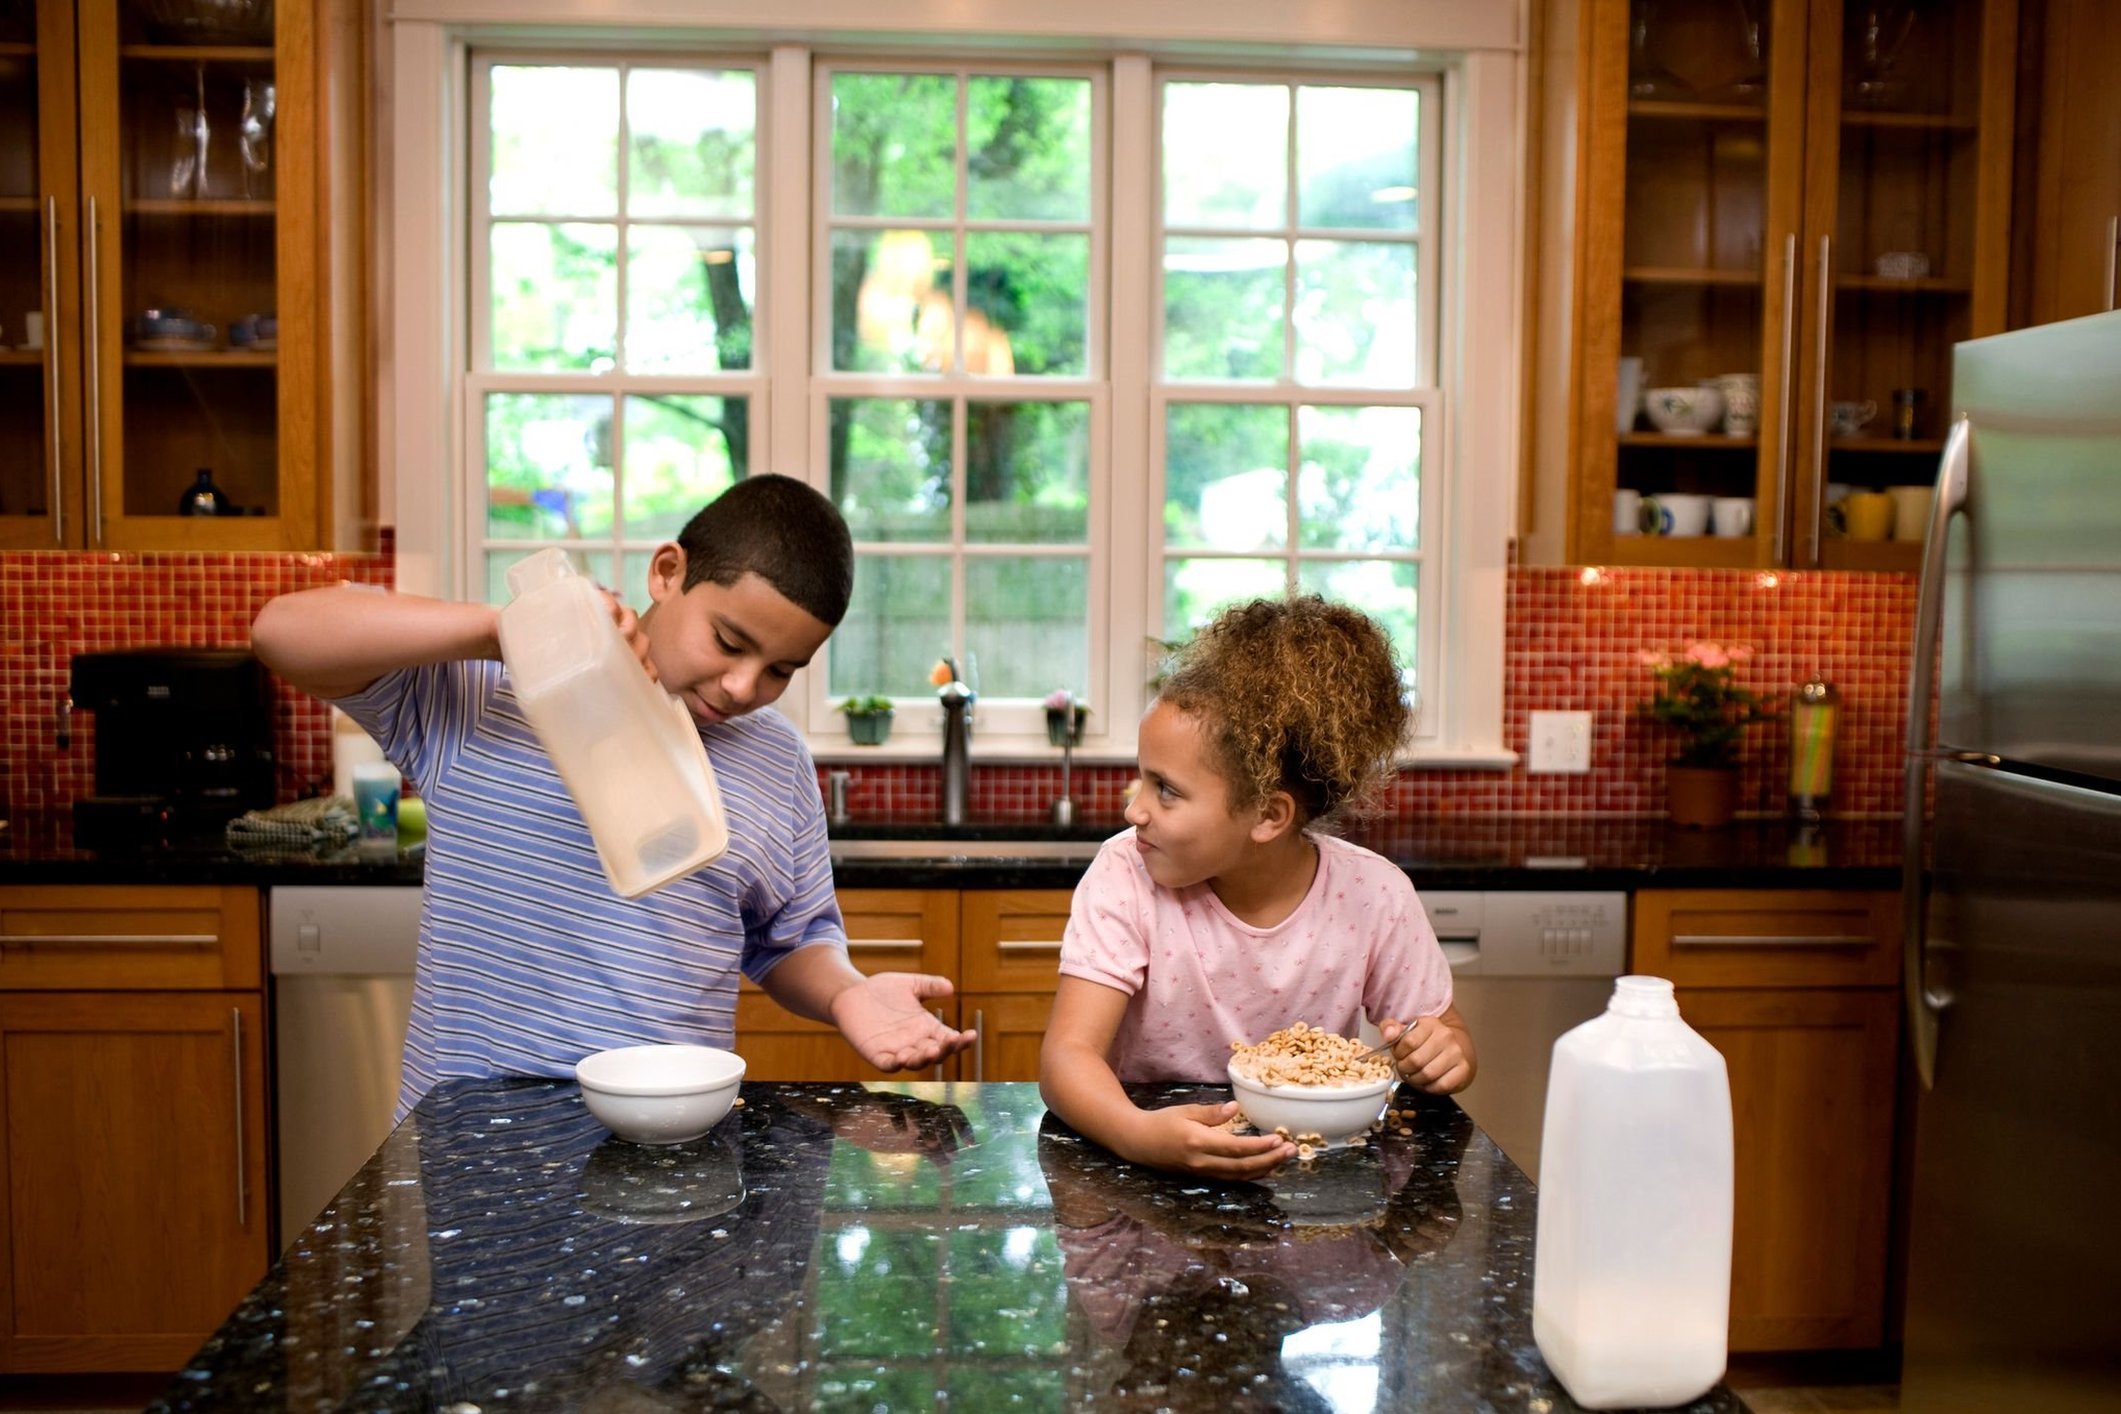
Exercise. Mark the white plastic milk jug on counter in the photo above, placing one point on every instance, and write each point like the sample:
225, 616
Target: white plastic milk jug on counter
629, 752
1631, 1279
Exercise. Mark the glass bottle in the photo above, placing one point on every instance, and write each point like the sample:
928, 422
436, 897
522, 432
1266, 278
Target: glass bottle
1815, 710
203, 498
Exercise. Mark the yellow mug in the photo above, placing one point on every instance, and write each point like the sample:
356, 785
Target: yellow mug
1868, 515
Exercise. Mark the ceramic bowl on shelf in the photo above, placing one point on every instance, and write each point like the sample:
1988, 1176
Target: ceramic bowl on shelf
255, 331
660, 1094
1337, 1114
1683, 412
171, 328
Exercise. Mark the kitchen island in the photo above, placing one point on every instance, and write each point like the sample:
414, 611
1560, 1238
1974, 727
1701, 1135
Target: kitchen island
910, 1246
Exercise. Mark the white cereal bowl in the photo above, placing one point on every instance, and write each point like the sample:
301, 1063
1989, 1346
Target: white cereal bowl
1338, 1114
1683, 412
660, 1094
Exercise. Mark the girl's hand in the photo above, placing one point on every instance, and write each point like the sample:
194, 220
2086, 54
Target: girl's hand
1433, 1054
1189, 1139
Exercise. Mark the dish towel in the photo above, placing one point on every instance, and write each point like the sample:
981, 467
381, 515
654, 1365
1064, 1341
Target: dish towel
324, 820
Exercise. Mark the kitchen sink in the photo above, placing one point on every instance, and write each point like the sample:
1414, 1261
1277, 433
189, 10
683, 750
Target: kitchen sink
949, 849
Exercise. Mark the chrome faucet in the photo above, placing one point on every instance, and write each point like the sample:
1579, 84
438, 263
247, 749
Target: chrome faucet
957, 750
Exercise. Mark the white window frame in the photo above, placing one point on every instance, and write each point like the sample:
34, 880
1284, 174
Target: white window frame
1478, 47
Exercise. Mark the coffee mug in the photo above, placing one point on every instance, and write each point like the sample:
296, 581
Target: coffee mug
1902, 265
1733, 516
1868, 515
1741, 403
1675, 514
1627, 398
1911, 512
33, 329
1848, 418
375, 792
1627, 512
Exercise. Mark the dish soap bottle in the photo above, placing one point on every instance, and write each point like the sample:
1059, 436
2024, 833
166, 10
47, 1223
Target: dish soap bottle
1631, 1278
203, 498
1815, 711
629, 752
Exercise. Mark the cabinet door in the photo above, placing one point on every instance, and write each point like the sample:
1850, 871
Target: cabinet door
1692, 186
197, 137
132, 1175
1012, 939
130, 937
2076, 228
888, 930
1907, 226
40, 472
1768, 937
1812, 1083
1012, 1027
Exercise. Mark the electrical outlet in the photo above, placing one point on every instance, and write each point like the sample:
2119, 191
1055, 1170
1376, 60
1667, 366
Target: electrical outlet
1560, 744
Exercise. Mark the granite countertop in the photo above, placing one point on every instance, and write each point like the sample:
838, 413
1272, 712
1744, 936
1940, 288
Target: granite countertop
1438, 852
905, 1246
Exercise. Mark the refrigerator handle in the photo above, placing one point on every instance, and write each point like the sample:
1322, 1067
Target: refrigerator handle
1922, 1006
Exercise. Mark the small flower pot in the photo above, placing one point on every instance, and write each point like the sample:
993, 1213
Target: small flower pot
1702, 797
1057, 728
868, 728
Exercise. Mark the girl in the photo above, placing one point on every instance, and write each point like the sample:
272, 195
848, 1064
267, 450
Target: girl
1226, 913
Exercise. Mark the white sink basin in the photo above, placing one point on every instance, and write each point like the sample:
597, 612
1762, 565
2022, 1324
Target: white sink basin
1084, 850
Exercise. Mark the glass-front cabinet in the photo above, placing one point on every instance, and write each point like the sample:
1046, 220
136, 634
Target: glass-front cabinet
158, 226
1793, 209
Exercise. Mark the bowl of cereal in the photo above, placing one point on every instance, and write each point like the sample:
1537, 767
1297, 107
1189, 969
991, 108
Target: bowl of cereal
1310, 1086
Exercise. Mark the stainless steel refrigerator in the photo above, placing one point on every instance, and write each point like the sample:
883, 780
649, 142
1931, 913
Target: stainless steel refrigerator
2013, 971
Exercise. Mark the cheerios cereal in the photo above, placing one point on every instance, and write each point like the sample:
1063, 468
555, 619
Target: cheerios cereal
1303, 1054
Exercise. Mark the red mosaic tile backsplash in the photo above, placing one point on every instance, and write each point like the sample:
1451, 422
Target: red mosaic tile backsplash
1573, 636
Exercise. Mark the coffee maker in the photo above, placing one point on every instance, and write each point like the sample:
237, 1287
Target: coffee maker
183, 742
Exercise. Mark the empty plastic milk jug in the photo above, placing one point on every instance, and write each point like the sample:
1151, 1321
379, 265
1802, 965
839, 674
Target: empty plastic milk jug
629, 752
1631, 1280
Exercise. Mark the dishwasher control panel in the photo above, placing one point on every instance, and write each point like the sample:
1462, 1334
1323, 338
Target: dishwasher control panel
1533, 933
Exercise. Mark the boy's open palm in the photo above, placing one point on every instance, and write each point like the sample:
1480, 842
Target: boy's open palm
887, 1020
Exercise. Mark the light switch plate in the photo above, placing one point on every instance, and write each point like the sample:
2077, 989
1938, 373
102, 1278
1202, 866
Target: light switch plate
1560, 744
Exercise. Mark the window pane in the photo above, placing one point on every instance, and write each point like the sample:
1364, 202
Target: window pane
1027, 624
689, 292
555, 295
890, 460
894, 145
1355, 313
891, 305
680, 453
897, 625
1195, 589
548, 466
1223, 308
1226, 151
1027, 473
693, 141
1028, 149
1226, 476
1360, 483
1355, 157
1030, 298
555, 142
1382, 589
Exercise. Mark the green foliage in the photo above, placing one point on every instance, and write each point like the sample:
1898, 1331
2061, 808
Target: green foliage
1699, 697
870, 706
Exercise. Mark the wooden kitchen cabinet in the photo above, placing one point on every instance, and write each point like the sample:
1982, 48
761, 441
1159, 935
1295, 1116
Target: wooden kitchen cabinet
1010, 961
2075, 238
1738, 186
888, 930
1799, 992
134, 1208
160, 155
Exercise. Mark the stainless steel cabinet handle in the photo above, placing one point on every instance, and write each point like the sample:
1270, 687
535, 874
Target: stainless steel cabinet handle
883, 944
52, 364
2113, 256
1788, 392
1773, 940
188, 939
1028, 945
93, 317
979, 1043
1826, 291
235, 1015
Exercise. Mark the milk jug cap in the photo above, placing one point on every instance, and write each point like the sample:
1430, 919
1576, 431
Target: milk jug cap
1643, 996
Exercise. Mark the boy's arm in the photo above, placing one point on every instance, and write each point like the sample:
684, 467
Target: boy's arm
334, 642
1077, 1083
884, 1017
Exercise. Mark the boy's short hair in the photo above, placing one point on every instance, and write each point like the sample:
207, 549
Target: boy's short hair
782, 530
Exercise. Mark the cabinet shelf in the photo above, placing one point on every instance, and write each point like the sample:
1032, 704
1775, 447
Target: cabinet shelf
22, 358
1681, 442
20, 203
204, 358
1697, 112
212, 206
1887, 285
1686, 275
1925, 122
1927, 446
196, 53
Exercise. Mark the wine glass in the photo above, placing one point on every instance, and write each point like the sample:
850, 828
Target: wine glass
1647, 78
1881, 30
255, 133
1750, 83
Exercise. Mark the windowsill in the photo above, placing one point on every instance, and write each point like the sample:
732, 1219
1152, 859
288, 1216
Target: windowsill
1036, 751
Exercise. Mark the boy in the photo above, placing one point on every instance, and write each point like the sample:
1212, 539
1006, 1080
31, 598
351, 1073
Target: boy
528, 961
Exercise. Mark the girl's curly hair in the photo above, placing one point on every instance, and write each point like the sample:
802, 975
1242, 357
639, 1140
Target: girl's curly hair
1296, 694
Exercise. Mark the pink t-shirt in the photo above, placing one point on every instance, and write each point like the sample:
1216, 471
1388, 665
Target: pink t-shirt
1198, 977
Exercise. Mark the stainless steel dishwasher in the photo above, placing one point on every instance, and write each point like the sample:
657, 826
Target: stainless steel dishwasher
1525, 967
342, 960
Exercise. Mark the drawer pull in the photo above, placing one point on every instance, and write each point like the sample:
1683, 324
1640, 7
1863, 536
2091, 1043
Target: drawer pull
883, 944
1028, 945
1774, 940
189, 939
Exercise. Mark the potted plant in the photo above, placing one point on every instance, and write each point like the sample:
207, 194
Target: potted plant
1698, 695
868, 720
1065, 718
